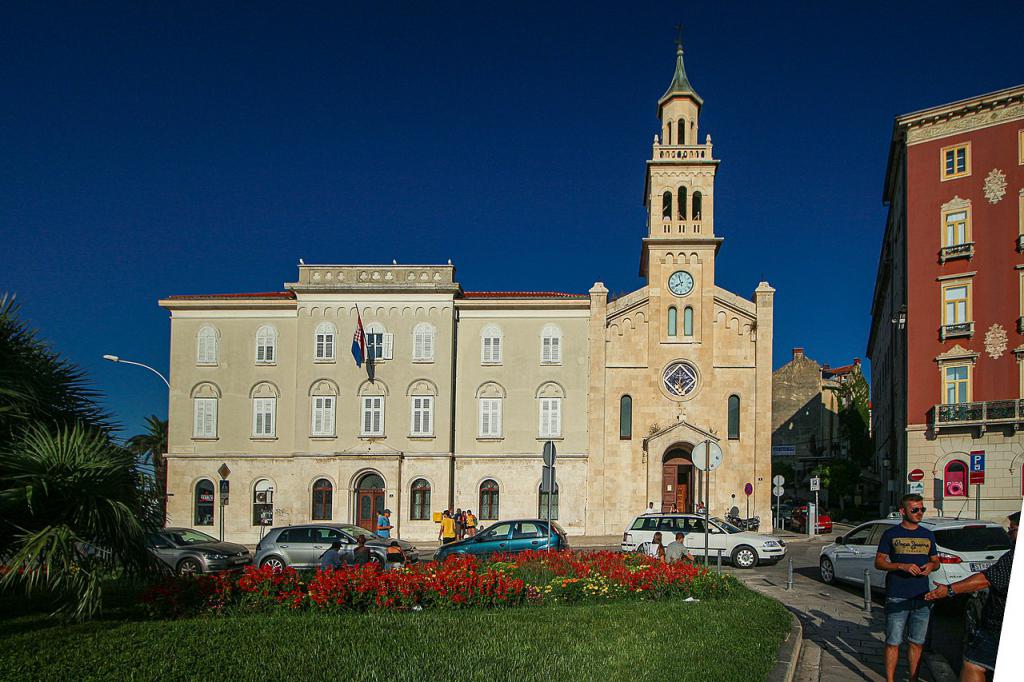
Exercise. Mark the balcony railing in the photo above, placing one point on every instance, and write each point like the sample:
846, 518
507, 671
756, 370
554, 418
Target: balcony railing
948, 331
1020, 243
965, 250
682, 151
1020, 325
983, 414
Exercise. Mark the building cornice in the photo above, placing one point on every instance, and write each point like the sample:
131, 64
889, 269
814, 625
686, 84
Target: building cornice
966, 115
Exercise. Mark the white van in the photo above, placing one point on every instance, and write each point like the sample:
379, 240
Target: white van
745, 549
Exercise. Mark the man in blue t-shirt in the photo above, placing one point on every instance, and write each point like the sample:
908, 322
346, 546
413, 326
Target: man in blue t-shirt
384, 524
907, 554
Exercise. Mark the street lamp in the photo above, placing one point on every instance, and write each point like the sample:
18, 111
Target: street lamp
114, 358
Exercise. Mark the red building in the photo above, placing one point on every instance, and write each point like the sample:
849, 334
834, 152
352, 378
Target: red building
947, 330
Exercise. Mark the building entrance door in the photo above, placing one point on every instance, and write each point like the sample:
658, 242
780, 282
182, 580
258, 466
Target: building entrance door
369, 501
677, 481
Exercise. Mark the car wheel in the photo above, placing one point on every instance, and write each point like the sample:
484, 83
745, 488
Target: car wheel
828, 571
274, 563
744, 557
189, 567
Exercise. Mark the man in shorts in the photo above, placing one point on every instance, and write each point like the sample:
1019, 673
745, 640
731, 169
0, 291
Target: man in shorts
980, 654
907, 554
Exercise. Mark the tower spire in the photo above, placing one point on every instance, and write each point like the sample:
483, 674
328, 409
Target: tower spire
680, 84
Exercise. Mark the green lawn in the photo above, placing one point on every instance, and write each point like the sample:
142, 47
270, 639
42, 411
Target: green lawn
732, 638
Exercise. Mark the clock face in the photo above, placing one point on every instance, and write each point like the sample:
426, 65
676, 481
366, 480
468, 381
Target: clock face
680, 378
680, 283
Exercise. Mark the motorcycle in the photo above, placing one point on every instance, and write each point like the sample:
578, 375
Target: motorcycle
751, 524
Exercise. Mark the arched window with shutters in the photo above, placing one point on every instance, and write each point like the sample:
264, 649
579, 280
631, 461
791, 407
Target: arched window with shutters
954, 479
266, 345
324, 342
681, 203
490, 345
323, 500
423, 342
206, 345
551, 345
673, 321
420, 500
542, 503
688, 321
625, 417
666, 205
734, 417
489, 500
203, 505
698, 200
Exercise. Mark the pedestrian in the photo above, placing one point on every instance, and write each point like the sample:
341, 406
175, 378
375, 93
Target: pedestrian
673, 509
384, 524
655, 548
983, 646
395, 556
676, 551
332, 557
446, 534
907, 554
460, 524
361, 554
650, 509
470, 523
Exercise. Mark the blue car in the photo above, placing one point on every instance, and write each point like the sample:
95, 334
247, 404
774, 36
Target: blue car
508, 536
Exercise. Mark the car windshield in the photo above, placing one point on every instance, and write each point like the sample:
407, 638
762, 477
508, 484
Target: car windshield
726, 526
356, 531
189, 537
973, 539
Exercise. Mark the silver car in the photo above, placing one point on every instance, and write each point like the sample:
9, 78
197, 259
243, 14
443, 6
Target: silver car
302, 546
188, 552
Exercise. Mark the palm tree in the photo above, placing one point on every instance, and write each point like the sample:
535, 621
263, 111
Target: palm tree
150, 448
73, 511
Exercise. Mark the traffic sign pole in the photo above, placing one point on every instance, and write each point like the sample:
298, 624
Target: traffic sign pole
777, 481
977, 476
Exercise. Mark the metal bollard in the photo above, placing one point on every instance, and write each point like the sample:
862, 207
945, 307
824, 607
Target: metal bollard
789, 576
867, 590
719, 561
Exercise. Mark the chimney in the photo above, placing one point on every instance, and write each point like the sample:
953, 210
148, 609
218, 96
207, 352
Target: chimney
798, 353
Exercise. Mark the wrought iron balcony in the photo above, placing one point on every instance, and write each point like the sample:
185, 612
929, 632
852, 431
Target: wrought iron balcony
1020, 325
1020, 243
983, 414
948, 331
965, 250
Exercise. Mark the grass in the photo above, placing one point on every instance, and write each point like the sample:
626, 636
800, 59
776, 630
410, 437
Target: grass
735, 637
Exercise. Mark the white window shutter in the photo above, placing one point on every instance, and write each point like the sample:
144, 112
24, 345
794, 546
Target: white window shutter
496, 350
428, 344
556, 417
389, 346
428, 415
329, 346
317, 417
497, 417
414, 427
418, 341
198, 427
329, 416
556, 349
210, 420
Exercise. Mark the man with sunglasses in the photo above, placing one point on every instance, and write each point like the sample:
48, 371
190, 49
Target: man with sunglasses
907, 553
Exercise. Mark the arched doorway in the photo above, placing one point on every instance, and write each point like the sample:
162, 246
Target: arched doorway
369, 500
677, 480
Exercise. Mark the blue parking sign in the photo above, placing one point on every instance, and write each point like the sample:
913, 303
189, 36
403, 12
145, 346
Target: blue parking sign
978, 460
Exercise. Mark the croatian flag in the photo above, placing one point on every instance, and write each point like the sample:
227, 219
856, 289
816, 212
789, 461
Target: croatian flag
359, 342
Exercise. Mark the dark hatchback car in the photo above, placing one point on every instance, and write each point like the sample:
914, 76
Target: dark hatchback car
508, 536
188, 552
302, 546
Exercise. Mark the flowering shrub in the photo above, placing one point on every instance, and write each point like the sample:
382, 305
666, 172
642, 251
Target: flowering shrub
531, 577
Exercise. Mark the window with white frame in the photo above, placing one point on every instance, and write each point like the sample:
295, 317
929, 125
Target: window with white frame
206, 346
323, 415
490, 345
372, 418
957, 228
550, 417
490, 417
423, 342
324, 342
551, 345
263, 417
205, 418
422, 416
266, 345
956, 381
379, 343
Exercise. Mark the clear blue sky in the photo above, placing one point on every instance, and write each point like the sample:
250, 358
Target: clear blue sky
171, 148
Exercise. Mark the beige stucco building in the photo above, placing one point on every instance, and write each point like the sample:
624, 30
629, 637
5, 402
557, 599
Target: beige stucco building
466, 387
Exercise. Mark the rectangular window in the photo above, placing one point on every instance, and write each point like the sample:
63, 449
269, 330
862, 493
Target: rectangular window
956, 380
956, 304
205, 423
373, 416
490, 353
263, 417
325, 346
550, 417
956, 161
375, 346
551, 350
422, 416
957, 231
1020, 146
323, 416
490, 417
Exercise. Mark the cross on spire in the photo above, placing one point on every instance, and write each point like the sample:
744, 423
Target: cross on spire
679, 36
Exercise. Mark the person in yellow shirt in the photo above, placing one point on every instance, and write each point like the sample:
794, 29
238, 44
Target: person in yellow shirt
470, 523
447, 532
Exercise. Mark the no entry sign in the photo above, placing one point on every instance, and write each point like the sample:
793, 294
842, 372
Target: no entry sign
915, 476
748, 489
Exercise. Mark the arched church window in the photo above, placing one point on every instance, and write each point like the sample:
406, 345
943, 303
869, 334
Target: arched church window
681, 203
672, 320
688, 321
625, 417
666, 205
734, 417
681, 137
697, 201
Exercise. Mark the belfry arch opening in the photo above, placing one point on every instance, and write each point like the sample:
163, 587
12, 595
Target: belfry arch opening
677, 479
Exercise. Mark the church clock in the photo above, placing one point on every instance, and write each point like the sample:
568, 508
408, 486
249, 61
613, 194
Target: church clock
680, 283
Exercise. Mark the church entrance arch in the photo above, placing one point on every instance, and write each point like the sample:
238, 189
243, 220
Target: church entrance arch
677, 479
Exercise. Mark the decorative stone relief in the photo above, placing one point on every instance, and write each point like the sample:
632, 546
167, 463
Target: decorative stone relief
955, 203
389, 276
968, 122
995, 186
316, 276
995, 341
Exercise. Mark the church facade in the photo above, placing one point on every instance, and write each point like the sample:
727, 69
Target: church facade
464, 388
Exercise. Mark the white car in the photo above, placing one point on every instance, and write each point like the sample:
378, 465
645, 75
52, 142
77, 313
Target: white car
745, 549
965, 546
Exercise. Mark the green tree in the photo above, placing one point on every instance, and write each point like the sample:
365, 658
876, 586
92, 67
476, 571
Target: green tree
150, 447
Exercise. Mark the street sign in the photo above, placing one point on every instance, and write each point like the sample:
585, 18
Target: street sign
779, 479
915, 475
783, 451
778, 491
224, 471
815, 484
977, 478
549, 454
225, 487
748, 489
916, 488
547, 479
706, 455
977, 460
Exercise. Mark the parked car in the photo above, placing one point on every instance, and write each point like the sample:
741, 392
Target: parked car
508, 536
798, 521
745, 549
189, 552
302, 546
965, 547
